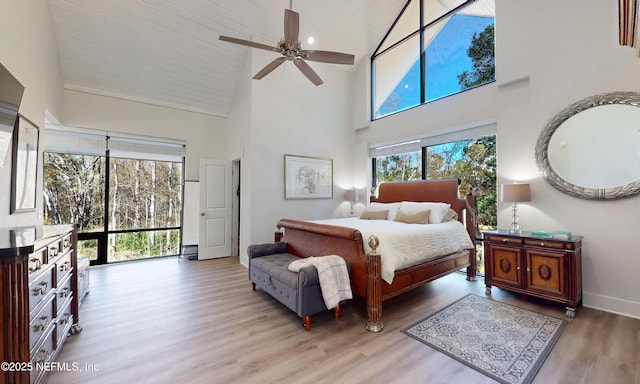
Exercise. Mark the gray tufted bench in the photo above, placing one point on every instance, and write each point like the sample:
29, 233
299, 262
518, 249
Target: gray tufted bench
268, 268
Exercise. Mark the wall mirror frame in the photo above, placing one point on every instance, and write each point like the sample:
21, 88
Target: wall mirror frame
628, 189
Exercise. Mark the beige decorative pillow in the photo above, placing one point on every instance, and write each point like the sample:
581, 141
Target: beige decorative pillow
451, 215
438, 210
392, 208
419, 217
373, 215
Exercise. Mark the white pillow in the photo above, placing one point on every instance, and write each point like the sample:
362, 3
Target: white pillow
438, 210
391, 207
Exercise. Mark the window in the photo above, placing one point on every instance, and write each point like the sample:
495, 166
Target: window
449, 50
145, 200
125, 193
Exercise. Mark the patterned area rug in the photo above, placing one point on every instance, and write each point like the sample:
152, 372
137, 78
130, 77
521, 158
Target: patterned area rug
507, 343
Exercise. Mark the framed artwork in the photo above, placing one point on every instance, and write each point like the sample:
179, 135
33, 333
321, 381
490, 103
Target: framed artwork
24, 166
307, 177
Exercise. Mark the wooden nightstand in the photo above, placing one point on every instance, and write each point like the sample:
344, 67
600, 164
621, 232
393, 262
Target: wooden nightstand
543, 267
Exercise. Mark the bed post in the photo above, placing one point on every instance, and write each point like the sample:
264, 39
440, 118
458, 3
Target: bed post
471, 224
374, 287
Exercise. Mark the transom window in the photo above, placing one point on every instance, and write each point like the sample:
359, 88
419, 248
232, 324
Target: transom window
434, 49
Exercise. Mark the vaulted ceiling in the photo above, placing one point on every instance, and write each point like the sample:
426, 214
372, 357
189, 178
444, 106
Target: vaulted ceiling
167, 52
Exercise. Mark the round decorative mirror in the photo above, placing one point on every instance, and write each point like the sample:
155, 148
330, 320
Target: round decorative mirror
591, 149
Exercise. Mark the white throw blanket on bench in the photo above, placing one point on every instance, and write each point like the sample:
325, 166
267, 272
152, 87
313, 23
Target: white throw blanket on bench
332, 275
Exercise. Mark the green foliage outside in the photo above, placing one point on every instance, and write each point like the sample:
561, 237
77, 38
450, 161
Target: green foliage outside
401, 167
482, 54
74, 191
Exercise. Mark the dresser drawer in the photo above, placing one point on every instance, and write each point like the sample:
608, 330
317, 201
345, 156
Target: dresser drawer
63, 267
37, 260
40, 322
53, 250
40, 287
64, 321
43, 353
506, 240
63, 292
65, 242
550, 244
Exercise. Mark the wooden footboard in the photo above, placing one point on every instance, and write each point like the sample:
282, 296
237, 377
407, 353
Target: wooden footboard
307, 239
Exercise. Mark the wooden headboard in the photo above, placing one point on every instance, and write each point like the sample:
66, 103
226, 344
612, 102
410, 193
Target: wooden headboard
433, 190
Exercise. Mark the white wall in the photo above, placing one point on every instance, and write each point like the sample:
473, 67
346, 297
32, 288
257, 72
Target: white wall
289, 115
545, 60
29, 52
206, 135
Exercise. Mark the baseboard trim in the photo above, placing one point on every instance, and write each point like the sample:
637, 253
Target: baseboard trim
611, 304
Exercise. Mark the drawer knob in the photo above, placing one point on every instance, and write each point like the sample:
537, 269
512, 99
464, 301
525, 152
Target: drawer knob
37, 262
64, 266
43, 325
42, 289
44, 355
64, 292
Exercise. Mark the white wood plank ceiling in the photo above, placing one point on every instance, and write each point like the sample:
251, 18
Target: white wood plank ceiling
167, 52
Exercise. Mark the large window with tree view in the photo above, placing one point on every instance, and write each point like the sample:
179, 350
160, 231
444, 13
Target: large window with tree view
127, 206
448, 50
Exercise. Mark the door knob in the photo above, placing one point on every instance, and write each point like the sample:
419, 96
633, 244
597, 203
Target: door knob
201, 213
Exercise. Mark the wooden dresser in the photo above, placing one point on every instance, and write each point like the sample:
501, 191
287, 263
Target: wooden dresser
544, 267
38, 299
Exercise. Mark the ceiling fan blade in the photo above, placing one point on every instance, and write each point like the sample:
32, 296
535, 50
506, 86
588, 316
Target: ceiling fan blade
291, 27
308, 71
269, 67
249, 43
328, 57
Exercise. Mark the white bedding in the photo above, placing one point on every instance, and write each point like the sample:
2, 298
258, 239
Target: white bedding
402, 245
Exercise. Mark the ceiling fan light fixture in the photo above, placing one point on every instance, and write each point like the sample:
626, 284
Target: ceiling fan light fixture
290, 48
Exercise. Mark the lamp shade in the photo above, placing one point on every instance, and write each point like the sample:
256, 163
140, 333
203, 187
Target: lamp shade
516, 192
351, 195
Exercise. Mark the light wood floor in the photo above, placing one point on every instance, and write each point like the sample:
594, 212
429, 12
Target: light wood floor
164, 321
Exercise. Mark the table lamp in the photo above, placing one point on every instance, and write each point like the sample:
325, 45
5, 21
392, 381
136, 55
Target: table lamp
351, 195
515, 193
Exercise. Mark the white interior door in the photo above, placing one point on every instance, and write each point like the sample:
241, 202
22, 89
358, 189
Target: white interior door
215, 209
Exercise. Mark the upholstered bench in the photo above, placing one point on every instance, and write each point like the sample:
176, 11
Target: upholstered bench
300, 292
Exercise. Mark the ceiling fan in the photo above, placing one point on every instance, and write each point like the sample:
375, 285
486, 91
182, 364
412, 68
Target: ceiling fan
291, 49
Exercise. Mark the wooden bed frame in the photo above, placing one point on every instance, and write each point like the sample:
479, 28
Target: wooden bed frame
307, 239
